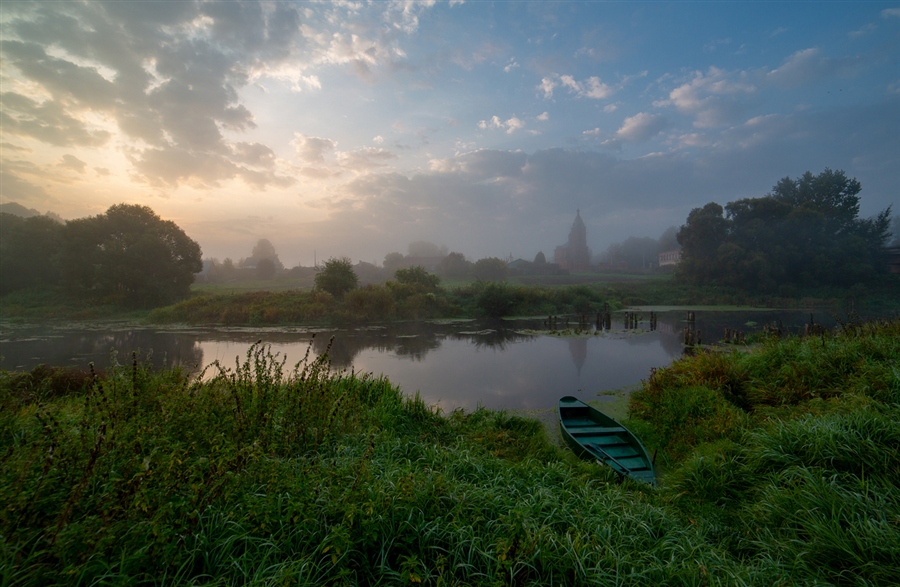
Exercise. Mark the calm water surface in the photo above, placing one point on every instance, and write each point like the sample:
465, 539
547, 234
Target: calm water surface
496, 364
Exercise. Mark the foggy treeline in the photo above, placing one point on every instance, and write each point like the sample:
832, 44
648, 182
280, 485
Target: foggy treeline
264, 263
639, 252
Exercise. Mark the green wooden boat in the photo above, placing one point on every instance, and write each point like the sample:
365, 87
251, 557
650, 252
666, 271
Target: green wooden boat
594, 435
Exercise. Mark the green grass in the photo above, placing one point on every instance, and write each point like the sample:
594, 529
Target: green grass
292, 301
261, 474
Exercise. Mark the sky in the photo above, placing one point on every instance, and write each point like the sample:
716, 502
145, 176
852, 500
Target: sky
355, 128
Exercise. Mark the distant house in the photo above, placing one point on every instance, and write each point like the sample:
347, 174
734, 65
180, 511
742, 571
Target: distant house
575, 254
669, 258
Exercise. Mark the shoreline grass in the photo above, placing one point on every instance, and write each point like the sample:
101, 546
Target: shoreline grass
280, 303
781, 469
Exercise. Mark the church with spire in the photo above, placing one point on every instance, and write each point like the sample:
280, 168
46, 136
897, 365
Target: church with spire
575, 254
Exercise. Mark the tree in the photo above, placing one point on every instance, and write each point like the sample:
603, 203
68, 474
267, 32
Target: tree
454, 266
29, 251
700, 239
337, 277
130, 255
806, 232
418, 277
392, 262
490, 269
264, 250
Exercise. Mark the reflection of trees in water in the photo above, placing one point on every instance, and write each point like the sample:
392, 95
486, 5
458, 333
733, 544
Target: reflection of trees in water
495, 339
79, 348
409, 340
347, 345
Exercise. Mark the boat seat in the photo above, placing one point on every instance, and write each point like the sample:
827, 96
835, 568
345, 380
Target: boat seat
608, 445
595, 430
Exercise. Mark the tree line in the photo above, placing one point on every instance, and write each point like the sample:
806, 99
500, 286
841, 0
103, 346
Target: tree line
805, 233
126, 256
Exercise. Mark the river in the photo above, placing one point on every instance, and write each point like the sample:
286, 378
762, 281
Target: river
503, 364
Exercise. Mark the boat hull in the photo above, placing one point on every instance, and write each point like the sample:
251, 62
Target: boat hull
591, 434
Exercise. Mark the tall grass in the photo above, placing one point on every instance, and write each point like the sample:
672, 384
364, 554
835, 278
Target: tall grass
262, 474
787, 454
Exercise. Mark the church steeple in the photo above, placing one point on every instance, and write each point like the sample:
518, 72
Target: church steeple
575, 254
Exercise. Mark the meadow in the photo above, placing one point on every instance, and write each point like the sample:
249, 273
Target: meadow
780, 468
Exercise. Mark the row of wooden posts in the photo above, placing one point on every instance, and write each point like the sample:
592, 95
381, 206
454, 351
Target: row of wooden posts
603, 320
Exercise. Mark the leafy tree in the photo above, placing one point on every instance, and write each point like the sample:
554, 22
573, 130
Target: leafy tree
490, 269
392, 262
29, 250
806, 232
540, 259
700, 239
454, 266
131, 255
337, 277
418, 277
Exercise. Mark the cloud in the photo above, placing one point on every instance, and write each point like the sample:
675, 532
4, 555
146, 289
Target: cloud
312, 149
592, 87
809, 66
13, 187
72, 162
547, 86
364, 159
168, 79
543, 116
890, 13
510, 125
714, 98
48, 121
641, 127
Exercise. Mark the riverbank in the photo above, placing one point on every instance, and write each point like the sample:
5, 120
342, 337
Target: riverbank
781, 469
593, 293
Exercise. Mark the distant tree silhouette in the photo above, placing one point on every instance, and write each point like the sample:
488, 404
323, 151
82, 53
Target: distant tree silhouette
454, 266
29, 251
337, 277
490, 269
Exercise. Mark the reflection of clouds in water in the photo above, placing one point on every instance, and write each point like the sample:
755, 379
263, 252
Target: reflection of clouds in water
530, 374
493, 367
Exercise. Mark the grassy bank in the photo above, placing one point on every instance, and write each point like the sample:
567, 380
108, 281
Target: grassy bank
275, 303
781, 465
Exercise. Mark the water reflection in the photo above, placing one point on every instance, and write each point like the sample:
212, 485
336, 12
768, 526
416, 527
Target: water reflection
497, 364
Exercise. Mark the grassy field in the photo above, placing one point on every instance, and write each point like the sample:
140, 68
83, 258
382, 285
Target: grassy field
781, 463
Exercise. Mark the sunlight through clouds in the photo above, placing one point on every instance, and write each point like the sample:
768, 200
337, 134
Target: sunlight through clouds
373, 124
